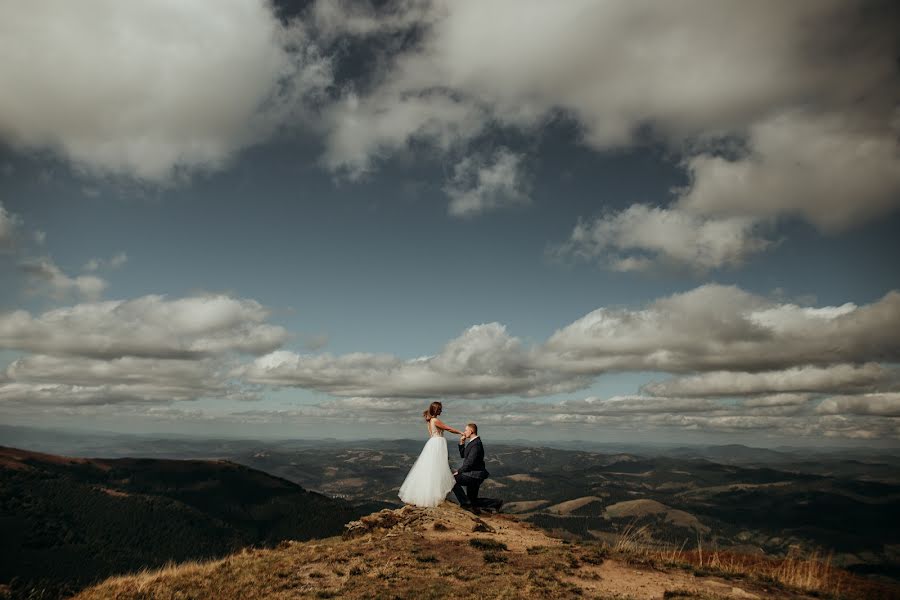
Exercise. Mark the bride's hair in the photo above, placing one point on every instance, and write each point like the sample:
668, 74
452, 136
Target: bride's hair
432, 411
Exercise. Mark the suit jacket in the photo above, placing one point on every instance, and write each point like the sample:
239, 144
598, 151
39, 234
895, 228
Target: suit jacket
473, 459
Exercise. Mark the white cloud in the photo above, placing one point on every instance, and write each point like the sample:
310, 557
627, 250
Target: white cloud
483, 361
715, 327
359, 132
776, 401
113, 262
832, 378
831, 170
776, 416
881, 404
150, 326
8, 224
481, 184
44, 271
43, 380
151, 90
686, 70
148, 350
642, 237
804, 93
712, 328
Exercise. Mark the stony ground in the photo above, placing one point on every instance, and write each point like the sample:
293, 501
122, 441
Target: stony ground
427, 553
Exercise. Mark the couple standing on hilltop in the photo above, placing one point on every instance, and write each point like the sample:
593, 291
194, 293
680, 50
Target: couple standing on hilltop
430, 478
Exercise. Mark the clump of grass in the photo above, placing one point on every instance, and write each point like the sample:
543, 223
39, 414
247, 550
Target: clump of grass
813, 573
487, 544
495, 557
427, 558
356, 570
595, 556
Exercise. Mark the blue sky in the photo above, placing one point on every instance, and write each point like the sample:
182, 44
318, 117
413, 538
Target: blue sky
360, 212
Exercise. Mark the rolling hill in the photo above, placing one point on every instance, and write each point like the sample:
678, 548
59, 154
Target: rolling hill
68, 521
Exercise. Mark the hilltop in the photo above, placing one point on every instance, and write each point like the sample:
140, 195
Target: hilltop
435, 553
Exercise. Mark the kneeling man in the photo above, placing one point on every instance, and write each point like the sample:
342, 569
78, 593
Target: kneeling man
472, 473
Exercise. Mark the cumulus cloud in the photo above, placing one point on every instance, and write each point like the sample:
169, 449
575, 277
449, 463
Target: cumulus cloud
710, 329
774, 416
151, 90
715, 327
483, 361
643, 237
359, 132
686, 70
58, 394
752, 364
481, 184
44, 271
78, 381
881, 404
8, 224
114, 262
43, 275
833, 170
151, 326
149, 350
832, 378
776, 110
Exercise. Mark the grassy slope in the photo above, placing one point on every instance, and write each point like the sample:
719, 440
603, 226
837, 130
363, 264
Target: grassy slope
434, 553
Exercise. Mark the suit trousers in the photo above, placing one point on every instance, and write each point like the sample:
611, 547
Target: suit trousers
470, 495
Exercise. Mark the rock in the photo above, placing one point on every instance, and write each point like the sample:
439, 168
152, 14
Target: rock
481, 526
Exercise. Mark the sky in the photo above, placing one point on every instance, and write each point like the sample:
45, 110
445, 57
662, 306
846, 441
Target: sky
605, 221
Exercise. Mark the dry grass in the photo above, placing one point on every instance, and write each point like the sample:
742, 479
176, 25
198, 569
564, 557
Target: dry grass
386, 568
812, 573
411, 559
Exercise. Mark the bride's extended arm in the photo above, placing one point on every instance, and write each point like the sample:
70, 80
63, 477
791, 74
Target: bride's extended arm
440, 425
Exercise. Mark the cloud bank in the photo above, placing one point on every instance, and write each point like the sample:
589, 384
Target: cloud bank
774, 110
740, 362
152, 91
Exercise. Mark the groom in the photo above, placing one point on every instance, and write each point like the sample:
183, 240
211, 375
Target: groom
472, 472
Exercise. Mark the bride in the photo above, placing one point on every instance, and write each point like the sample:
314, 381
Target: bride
429, 480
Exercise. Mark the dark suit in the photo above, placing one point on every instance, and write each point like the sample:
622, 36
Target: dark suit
471, 474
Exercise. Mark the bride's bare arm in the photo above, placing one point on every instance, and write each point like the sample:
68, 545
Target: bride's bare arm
440, 425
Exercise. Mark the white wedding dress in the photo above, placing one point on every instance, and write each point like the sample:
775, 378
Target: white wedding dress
430, 479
